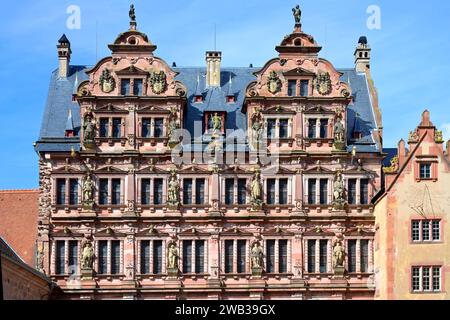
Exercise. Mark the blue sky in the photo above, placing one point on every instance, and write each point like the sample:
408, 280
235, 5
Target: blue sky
409, 53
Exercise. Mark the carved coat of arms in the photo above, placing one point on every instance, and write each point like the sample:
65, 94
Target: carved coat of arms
158, 82
107, 82
274, 83
323, 83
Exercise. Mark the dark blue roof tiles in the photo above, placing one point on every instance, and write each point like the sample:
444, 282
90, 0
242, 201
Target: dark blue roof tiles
391, 153
360, 114
215, 99
59, 102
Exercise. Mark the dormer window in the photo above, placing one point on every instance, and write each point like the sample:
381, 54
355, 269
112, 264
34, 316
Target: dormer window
198, 99
231, 99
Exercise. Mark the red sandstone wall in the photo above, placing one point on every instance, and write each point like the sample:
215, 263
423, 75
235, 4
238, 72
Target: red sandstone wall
18, 221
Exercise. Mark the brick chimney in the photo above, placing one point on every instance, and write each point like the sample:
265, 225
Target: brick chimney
213, 61
64, 53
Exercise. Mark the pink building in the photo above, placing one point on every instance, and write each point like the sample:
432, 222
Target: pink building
164, 182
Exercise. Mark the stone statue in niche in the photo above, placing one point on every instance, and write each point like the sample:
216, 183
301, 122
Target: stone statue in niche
323, 83
40, 258
257, 256
297, 14
173, 257
88, 131
257, 128
107, 82
255, 191
274, 83
158, 82
339, 134
88, 193
87, 256
174, 190
172, 128
338, 192
338, 255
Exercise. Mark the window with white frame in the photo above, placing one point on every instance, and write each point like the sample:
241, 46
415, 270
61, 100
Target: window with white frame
110, 191
109, 257
67, 191
151, 257
152, 127
358, 191
66, 254
111, 127
235, 191
235, 254
194, 256
152, 191
278, 128
278, 191
276, 256
317, 255
318, 190
195, 191
318, 127
426, 230
426, 279
358, 255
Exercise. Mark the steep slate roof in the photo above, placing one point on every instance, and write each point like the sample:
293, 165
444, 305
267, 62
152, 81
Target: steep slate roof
52, 136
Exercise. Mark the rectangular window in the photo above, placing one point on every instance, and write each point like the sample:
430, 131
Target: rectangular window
103, 257
351, 191
271, 128
229, 191
364, 191
270, 256
137, 87
282, 255
364, 256
436, 230
241, 255
103, 192
416, 279
115, 257
426, 279
187, 256
415, 226
60, 263
312, 191
312, 126
271, 191
283, 191
311, 256
73, 257
323, 256
145, 257
436, 279
60, 191
158, 192
323, 128
159, 128
323, 191
229, 256
187, 191
157, 256
145, 191
146, 128
199, 191
104, 128
284, 131
292, 88
199, 256
125, 87
115, 199
351, 256
117, 128
304, 88
73, 192
425, 171
425, 230
242, 191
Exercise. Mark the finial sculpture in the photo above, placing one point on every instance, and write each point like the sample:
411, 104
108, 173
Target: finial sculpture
132, 13
297, 14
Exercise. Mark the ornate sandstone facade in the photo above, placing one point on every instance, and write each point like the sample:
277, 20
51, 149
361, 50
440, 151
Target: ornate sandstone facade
160, 181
